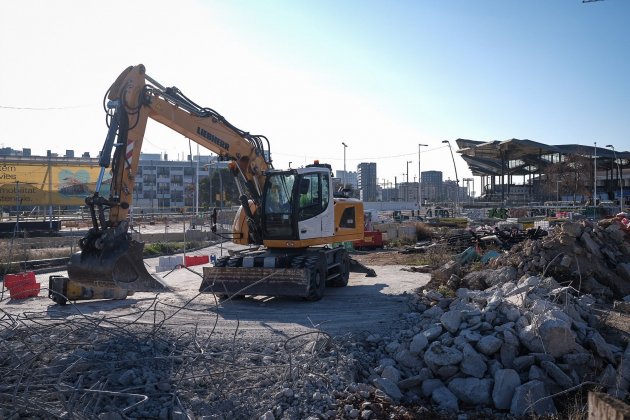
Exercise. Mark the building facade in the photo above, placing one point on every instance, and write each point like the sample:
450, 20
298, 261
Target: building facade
432, 186
366, 179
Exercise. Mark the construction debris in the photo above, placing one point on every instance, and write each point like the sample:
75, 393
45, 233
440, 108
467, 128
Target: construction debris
511, 336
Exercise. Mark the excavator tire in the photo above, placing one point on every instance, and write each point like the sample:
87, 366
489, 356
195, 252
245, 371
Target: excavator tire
317, 282
343, 259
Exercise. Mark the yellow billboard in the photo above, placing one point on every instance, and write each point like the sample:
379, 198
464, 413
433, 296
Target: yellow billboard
36, 184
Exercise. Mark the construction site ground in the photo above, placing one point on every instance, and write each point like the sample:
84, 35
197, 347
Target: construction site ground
366, 304
266, 334
370, 350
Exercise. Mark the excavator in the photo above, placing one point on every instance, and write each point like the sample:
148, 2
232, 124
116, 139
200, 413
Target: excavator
287, 218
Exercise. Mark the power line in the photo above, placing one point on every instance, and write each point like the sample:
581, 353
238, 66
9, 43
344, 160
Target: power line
361, 158
50, 108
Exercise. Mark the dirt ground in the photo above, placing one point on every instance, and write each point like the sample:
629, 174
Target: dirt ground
387, 257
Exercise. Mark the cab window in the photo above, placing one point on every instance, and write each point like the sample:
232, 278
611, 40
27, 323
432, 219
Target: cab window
313, 195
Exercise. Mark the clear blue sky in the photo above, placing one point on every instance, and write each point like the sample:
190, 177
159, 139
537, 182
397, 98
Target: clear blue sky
381, 76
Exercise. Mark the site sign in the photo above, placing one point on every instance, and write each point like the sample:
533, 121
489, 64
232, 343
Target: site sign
38, 184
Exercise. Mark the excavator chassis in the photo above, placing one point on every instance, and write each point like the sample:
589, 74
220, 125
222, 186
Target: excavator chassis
301, 273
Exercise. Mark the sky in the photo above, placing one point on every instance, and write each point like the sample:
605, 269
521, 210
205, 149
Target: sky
380, 76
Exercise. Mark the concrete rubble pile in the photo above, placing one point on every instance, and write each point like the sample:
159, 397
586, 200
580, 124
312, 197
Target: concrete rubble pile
522, 340
594, 258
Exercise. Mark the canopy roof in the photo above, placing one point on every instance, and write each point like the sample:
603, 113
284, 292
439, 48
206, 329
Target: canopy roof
523, 157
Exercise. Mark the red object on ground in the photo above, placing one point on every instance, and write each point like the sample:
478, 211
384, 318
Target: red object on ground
372, 239
23, 291
22, 285
11, 280
196, 260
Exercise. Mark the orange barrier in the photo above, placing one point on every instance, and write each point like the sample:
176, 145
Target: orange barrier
24, 291
22, 285
11, 280
196, 260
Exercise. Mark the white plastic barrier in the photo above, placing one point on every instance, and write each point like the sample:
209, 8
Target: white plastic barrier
169, 263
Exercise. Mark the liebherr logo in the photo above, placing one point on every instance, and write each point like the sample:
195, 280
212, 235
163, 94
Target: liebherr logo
214, 139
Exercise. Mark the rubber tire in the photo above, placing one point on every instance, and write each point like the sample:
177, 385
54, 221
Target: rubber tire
342, 280
344, 267
317, 283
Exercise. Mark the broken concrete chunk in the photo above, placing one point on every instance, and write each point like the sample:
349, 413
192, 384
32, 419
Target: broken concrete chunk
438, 355
489, 345
472, 391
532, 398
505, 383
451, 321
473, 363
389, 388
445, 399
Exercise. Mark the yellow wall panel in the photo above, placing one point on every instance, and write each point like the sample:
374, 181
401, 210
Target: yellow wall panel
43, 184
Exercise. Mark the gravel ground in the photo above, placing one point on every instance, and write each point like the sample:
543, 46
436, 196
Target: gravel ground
185, 355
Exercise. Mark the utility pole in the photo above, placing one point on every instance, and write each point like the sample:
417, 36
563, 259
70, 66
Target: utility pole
345, 146
595, 180
619, 178
456, 177
407, 186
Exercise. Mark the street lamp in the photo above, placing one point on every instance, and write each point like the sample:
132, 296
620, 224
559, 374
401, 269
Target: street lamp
407, 186
420, 179
619, 177
595, 179
345, 146
456, 177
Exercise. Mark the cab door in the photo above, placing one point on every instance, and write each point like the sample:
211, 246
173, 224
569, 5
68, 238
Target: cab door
315, 206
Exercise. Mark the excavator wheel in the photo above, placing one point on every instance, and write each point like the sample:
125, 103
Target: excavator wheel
222, 261
317, 282
344, 270
235, 262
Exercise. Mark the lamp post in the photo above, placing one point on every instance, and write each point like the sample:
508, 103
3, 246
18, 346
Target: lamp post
345, 146
420, 180
456, 177
407, 186
595, 179
619, 178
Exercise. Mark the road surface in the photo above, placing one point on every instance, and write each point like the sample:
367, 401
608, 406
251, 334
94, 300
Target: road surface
367, 304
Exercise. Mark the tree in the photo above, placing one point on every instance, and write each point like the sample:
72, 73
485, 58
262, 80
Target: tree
572, 175
219, 179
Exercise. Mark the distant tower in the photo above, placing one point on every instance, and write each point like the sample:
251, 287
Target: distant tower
366, 177
432, 188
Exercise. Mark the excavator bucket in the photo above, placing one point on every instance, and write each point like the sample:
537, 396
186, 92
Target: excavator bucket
121, 266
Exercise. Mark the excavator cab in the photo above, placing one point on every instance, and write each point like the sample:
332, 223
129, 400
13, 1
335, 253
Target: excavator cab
297, 204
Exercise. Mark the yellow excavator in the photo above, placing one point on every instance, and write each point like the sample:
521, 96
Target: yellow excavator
288, 217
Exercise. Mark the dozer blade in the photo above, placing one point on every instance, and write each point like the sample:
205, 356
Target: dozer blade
242, 281
121, 266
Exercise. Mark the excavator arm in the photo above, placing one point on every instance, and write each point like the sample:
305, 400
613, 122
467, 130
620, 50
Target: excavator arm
133, 101
108, 254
